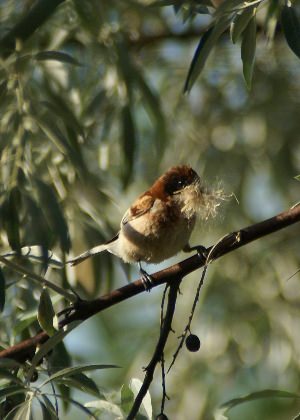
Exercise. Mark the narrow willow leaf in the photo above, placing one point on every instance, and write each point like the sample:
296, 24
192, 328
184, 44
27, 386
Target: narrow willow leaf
6, 363
52, 130
2, 290
153, 106
50, 406
291, 28
206, 44
11, 218
3, 89
60, 109
82, 382
240, 23
26, 320
267, 393
24, 411
135, 386
49, 345
248, 51
74, 370
10, 377
47, 414
105, 407
46, 312
129, 143
75, 403
162, 3
60, 358
297, 177
11, 390
127, 398
54, 215
229, 6
36, 253
57, 56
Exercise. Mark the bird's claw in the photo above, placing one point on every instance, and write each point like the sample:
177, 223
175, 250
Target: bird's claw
146, 280
201, 251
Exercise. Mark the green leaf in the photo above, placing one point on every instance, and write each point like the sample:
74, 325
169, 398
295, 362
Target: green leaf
49, 345
291, 28
53, 213
240, 23
267, 393
127, 398
75, 370
11, 390
59, 358
6, 374
47, 413
297, 177
248, 51
52, 130
81, 382
162, 3
153, 106
57, 56
75, 403
59, 107
24, 322
129, 143
46, 312
10, 216
23, 412
50, 407
6, 363
206, 44
37, 253
2, 290
229, 6
105, 407
38, 226
135, 385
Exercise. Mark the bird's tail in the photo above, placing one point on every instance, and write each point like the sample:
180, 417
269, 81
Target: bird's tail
87, 254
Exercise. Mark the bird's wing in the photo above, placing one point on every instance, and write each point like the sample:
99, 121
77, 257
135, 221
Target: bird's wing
141, 206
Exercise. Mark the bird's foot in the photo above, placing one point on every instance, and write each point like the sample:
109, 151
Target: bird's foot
76, 304
201, 251
146, 280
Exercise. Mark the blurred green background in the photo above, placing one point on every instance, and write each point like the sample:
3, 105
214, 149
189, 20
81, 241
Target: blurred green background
98, 134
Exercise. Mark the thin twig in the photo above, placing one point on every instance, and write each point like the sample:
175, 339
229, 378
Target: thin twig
38, 279
162, 361
188, 325
156, 358
163, 382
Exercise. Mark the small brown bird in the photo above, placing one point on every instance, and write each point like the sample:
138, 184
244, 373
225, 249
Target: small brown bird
159, 223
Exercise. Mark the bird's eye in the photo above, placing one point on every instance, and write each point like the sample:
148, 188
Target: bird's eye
175, 186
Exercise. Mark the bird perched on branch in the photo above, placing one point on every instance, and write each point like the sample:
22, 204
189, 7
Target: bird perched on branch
160, 221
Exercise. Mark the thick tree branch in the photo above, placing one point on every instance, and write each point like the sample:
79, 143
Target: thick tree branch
230, 242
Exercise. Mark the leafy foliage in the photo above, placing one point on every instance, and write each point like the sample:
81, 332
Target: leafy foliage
91, 111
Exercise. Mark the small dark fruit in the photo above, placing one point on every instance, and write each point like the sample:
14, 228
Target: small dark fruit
192, 342
161, 416
34, 376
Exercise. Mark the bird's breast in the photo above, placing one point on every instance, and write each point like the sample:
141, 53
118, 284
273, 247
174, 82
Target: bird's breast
155, 236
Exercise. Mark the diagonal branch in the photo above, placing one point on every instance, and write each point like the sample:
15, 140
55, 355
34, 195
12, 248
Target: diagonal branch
232, 241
